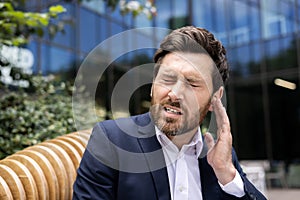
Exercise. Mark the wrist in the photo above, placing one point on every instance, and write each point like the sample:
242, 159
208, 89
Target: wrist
226, 175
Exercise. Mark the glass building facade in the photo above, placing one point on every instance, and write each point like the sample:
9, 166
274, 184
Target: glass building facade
262, 38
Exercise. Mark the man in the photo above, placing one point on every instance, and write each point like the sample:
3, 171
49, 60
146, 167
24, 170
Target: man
162, 154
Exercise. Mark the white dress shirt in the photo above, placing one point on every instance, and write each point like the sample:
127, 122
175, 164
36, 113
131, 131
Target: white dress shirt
183, 169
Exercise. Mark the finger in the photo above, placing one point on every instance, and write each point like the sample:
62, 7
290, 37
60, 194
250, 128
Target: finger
209, 140
220, 113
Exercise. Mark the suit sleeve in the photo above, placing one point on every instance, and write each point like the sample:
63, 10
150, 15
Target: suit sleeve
251, 191
96, 180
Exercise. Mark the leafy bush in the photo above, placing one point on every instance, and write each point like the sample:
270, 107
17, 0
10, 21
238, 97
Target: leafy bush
29, 116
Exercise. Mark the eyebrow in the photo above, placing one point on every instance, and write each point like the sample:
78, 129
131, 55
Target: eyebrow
190, 77
194, 78
168, 72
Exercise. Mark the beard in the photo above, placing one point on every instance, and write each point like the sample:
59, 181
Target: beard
188, 121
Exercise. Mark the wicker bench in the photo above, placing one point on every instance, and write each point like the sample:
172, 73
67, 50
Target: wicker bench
43, 171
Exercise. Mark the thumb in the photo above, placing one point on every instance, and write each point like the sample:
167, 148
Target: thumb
209, 140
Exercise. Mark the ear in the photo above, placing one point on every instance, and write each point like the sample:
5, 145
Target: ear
151, 90
152, 87
218, 94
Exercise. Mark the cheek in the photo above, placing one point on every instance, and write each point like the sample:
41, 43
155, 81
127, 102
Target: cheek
159, 92
203, 100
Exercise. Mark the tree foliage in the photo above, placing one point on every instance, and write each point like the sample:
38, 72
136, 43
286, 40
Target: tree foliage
134, 7
16, 26
29, 116
43, 109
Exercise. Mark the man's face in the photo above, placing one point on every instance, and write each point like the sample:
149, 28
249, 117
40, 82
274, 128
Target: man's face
181, 92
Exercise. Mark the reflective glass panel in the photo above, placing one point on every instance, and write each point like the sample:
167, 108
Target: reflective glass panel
249, 121
56, 60
88, 34
203, 15
179, 17
255, 58
288, 11
284, 118
116, 28
67, 37
143, 21
240, 59
219, 18
163, 13
32, 46
239, 25
95, 5
281, 54
254, 23
274, 23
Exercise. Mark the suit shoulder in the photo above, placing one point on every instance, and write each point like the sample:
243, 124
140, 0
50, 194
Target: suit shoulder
128, 122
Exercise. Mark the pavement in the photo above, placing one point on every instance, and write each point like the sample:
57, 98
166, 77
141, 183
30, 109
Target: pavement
283, 194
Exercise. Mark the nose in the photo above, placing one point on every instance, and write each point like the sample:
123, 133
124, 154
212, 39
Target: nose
176, 91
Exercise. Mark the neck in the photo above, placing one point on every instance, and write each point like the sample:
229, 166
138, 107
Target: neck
182, 139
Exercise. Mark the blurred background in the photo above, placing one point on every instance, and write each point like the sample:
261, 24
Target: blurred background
262, 38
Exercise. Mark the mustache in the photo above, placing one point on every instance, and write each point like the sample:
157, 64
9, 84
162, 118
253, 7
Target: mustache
176, 104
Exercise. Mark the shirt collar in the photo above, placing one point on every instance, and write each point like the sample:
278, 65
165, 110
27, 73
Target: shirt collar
165, 142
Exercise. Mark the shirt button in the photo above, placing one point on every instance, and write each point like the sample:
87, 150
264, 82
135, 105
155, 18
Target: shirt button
181, 188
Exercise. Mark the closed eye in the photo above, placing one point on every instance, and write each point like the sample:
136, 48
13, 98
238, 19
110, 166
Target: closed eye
167, 78
193, 83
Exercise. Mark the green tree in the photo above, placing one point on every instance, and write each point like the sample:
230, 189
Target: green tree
17, 26
31, 115
134, 7
43, 109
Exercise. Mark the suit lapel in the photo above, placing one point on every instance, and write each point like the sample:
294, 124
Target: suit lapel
155, 160
156, 163
209, 182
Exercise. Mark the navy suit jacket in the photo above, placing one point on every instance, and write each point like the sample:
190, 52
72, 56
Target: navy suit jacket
105, 169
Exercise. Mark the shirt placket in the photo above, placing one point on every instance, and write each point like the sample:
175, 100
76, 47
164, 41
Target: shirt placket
181, 179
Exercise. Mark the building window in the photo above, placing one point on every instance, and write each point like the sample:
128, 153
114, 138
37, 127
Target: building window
95, 5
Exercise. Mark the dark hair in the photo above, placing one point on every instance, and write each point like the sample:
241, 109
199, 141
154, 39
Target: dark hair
196, 40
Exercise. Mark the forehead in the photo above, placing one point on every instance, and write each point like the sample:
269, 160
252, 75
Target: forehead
196, 64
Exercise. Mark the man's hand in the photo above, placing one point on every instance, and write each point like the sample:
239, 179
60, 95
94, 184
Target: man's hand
219, 153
